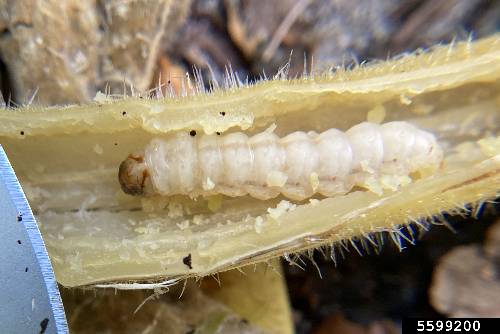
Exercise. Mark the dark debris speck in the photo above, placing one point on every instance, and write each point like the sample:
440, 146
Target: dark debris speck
43, 325
187, 261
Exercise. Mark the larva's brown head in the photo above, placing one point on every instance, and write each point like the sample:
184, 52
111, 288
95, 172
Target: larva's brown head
134, 176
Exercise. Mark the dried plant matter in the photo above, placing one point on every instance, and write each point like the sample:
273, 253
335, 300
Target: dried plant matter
325, 30
111, 312
39, 41
466, 282
67, 51
68, 157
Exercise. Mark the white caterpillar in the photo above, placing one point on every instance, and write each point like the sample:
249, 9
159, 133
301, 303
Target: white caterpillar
297, 165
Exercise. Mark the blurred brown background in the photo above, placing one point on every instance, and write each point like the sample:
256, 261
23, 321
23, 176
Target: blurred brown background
66, 51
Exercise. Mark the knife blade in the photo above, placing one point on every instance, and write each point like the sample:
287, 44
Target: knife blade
29, 295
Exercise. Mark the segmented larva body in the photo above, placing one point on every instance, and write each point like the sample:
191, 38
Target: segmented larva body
298, 165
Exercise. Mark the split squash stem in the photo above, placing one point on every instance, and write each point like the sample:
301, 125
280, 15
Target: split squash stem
67, 159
